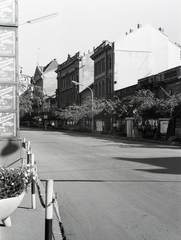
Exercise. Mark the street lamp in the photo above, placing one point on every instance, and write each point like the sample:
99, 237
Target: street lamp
36, 20
92, 97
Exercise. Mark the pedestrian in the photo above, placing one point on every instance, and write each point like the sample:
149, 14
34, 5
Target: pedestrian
114, 128
53, 125
143, 130
46, 125
154, 130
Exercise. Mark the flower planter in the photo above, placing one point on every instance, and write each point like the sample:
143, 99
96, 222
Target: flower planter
8, 206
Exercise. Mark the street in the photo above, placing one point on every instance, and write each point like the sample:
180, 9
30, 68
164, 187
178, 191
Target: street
111, 188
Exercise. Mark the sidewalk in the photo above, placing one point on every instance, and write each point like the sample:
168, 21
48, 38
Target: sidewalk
27, 223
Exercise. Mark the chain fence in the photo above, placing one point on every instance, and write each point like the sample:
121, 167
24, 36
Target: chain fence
55, 207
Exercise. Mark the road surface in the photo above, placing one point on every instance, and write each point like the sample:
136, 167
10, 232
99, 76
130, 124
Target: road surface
111, 188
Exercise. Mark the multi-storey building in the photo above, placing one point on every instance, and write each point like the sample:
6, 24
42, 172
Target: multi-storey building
67, 72
143, 52
164, 83
78, 69
120, 68
103, 70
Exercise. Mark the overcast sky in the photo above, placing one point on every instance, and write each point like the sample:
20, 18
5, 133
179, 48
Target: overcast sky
84, 24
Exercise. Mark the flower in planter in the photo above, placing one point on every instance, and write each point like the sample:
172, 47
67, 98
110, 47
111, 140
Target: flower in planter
13, 181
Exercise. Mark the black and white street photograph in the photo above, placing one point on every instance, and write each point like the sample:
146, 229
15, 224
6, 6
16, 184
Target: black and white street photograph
90, 119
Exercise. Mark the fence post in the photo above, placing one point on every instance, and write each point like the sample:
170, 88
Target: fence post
28, 157
48, 209
33, 197
23, 143
23, 151
28, 146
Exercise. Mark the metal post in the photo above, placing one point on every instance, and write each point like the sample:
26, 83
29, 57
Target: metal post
33, 196
28, 157
23, 143
92, 109
23, 151
48, 209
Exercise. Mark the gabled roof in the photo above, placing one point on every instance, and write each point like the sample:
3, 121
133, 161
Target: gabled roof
38, 73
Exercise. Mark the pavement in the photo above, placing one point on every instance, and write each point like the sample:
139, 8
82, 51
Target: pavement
28, 223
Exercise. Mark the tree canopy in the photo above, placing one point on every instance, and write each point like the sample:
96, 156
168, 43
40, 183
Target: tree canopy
143, 103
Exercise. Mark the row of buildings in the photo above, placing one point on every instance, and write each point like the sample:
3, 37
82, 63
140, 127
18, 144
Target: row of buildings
143, 58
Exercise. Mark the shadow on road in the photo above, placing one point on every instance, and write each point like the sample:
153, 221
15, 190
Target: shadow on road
170, 165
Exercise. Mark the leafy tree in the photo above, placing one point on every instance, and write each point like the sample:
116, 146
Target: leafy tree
31, 97
76, 112
148, 106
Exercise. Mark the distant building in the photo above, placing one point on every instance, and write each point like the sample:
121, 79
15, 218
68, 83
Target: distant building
163, 83
44, 83
103, 58
76, 68
50, 78
143, 52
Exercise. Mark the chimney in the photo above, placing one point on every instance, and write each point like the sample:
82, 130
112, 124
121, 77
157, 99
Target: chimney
161, 29
126, 33
138, 25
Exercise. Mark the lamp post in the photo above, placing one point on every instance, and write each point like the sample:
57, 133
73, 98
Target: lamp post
36, 20
92, 99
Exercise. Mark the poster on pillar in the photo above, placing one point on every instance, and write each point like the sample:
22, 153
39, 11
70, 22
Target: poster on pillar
7, 97
7, 41
9, 69
7, 124
8, 12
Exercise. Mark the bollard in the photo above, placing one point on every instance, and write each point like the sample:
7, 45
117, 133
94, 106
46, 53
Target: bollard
23, 143
28, 146
28, 157
23, 151
48, 209
33, 197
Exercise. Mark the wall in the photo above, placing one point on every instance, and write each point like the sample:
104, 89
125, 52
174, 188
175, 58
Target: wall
143, 52
175, 55
49, 83
132, 57
86, 71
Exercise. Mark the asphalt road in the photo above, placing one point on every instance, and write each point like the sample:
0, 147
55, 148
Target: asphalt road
111, 188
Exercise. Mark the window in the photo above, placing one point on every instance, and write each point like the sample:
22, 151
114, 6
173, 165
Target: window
103, 88
96, 69
103, 65
99, 89
110, 62
96, 91
100, 67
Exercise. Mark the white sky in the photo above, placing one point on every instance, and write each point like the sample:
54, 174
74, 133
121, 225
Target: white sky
84, 24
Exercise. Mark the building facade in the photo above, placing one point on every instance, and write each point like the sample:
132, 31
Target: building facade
103, 58
164, 83
79, 69
143, 58
143, 52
